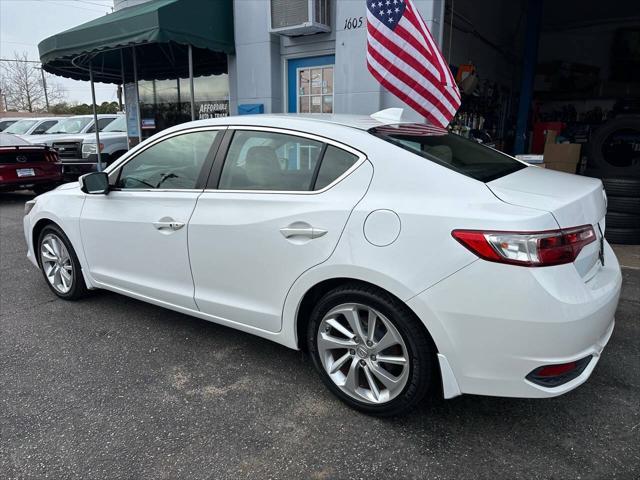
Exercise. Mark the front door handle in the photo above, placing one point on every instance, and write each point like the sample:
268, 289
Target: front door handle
168, 225
302, 231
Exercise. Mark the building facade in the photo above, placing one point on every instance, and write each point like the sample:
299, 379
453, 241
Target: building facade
279, 71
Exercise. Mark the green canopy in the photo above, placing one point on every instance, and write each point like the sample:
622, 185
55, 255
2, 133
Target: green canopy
160, 30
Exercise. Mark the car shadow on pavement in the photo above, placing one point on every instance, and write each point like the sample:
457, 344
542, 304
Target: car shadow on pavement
15, 197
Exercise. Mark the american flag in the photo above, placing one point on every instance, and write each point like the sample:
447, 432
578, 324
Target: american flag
404, 58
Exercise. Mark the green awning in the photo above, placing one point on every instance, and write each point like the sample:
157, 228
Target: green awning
160, 30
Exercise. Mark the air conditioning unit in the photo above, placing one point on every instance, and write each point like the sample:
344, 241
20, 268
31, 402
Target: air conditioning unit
299, 17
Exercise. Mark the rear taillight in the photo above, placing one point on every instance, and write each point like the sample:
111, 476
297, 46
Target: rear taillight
529, 249
51, 156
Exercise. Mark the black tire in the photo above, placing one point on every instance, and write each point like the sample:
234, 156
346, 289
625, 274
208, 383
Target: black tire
78, 288
622, 187
622, 220
623, 236
624, 205
616, 157
423, 373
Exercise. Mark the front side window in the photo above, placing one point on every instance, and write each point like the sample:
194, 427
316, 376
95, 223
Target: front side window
449, 150
270, 161
174, 163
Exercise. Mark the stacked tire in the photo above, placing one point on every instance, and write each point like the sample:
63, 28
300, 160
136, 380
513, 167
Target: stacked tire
623, 210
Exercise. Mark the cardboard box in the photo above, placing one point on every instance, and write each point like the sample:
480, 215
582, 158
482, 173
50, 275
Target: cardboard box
563, 157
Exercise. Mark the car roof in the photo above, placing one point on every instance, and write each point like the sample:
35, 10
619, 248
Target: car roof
100, 115
39, 119
289, 120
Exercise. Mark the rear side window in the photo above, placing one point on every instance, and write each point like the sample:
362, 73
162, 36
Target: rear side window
270, 161
450, 150
44, 126
334, 163
103, 122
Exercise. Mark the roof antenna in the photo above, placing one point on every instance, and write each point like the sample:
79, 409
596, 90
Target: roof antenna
388, 115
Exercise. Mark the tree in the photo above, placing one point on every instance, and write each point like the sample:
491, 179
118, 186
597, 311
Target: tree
21, 83
63, 108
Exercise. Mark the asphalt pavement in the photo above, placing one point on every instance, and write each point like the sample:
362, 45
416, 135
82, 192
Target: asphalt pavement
111, 388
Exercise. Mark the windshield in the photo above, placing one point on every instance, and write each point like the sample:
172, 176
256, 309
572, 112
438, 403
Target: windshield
21, 127
71, 125
450, 150
118, 125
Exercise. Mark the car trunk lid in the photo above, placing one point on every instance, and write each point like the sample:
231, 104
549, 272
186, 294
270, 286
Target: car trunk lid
573, 201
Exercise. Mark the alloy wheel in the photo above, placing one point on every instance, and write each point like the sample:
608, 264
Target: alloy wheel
56, 263
363, 353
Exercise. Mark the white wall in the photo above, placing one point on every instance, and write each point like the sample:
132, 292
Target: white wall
254, 71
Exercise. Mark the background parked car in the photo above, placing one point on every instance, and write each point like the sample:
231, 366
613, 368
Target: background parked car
76, 125
7, 122
113, 144
33, 127
24, 165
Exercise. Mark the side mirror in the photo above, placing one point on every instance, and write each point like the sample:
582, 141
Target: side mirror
95, 183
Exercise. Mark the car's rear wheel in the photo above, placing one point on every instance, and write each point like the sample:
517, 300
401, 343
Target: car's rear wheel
59, 264
370, 350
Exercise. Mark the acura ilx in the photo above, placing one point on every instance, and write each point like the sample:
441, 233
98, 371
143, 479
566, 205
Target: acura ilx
405, 259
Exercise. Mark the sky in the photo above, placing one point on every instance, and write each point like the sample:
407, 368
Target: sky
24, 23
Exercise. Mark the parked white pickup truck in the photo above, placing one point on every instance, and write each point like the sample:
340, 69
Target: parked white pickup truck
65, 127
79, 153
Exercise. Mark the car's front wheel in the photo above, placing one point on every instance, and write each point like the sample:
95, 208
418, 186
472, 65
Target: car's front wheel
370, 350
59, 264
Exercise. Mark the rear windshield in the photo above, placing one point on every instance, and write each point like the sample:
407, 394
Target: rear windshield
449, 150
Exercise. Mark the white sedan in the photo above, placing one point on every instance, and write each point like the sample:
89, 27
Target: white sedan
403, 258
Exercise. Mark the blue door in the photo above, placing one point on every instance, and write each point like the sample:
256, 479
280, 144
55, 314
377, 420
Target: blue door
310, 84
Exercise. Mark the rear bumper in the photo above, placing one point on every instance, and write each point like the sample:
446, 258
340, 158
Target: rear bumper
18, 183
495, 323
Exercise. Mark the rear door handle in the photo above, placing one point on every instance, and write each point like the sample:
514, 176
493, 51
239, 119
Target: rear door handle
168, 225
302, 231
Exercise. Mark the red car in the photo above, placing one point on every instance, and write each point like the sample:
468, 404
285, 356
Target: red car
27, 166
